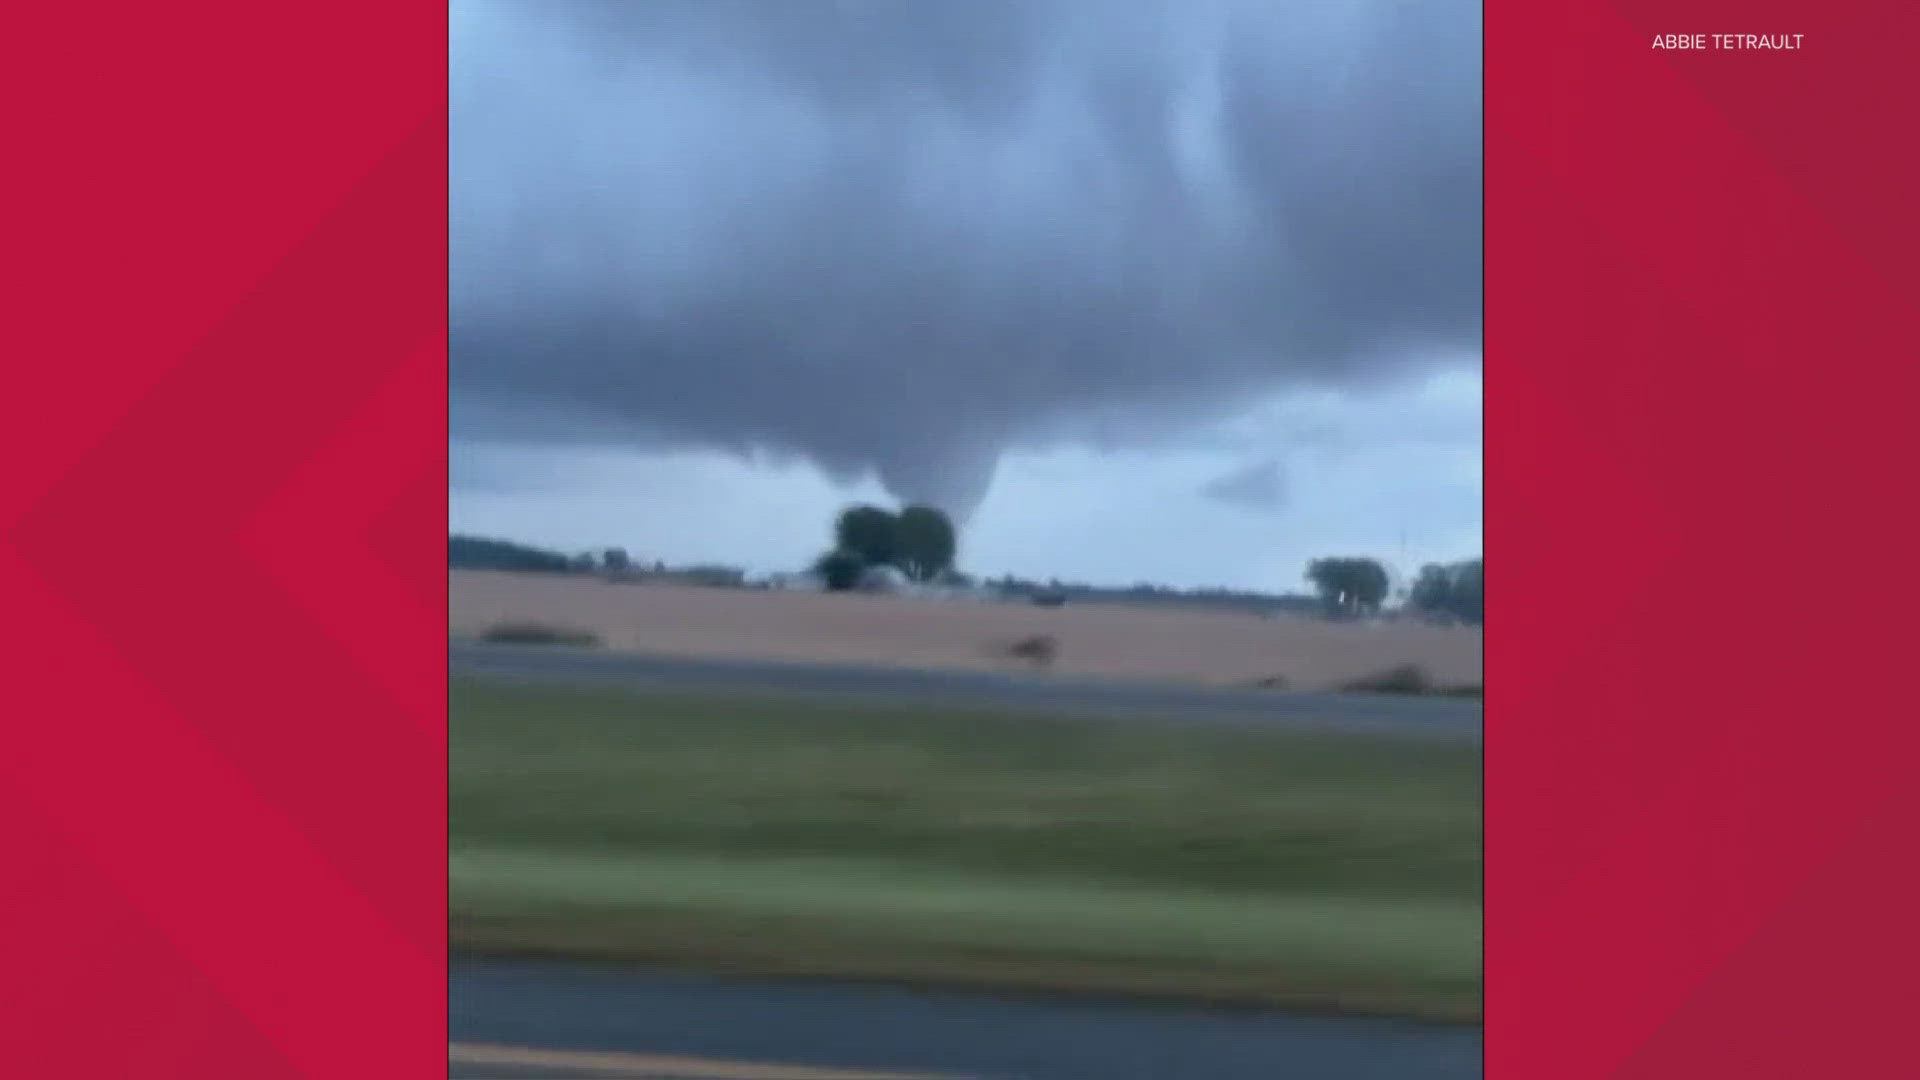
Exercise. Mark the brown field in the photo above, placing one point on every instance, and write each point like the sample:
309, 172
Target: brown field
1094, 640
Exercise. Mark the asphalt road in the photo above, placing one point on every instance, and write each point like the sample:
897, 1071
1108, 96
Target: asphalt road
1431, 717
526, 1019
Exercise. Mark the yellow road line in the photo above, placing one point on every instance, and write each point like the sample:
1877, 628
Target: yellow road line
664, 1067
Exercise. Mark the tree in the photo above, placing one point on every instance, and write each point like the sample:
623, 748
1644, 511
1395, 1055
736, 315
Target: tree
1369, 583
840, 569
923, 542
1453, 589
869, 533
1433, 590
1349, 586
1328, 578
1469, 599
615, 560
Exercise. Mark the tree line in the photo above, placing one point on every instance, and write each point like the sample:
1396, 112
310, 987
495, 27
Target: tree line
485, 553
920, 543
488, 553
1359, 586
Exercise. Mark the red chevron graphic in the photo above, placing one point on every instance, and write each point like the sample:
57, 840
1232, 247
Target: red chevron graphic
1675, 792
225, 782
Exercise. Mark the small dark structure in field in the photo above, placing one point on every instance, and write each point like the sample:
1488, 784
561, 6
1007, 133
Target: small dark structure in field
533, 633
1039, 650
1405, 679
1408, 679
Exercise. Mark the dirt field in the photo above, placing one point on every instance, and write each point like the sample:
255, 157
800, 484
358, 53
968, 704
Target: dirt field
1096, 640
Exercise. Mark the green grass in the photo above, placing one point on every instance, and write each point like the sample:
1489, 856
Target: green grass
790, 835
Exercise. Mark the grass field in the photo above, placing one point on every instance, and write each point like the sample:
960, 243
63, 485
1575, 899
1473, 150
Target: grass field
1110, 641
773, 835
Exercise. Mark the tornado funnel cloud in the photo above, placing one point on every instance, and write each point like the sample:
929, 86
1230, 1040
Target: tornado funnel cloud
902, 238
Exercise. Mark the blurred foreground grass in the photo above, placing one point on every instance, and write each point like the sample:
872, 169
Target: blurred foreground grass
792, 835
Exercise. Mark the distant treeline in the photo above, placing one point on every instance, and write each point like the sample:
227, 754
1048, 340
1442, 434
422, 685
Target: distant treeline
1344, 587
487, 553
483, 553
1077, 593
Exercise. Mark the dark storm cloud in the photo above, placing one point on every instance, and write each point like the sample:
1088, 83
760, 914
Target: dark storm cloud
899, 237
1260, 486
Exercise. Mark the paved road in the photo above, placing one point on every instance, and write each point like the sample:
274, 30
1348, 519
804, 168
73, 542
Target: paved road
1443, 718
526, 1019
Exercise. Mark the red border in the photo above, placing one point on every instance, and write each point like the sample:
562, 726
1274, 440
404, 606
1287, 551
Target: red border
220, 542
220, 527
1700, 392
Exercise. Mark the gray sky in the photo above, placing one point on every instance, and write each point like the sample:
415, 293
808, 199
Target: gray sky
1172, 290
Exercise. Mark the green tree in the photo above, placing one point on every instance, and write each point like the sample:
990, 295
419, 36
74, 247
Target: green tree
1349, 586
1328, 578
840, 569
1370, 583
1469, 599
1432, 590
616, 560
924, 542
870, 533
1454, 589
